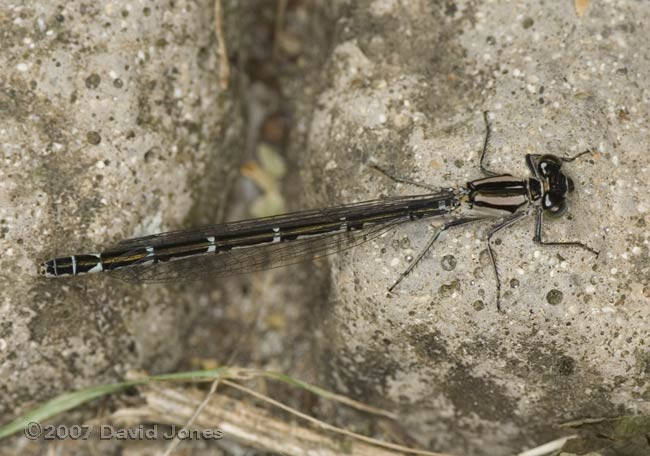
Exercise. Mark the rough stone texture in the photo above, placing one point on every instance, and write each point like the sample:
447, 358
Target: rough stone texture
405, 84
112, 125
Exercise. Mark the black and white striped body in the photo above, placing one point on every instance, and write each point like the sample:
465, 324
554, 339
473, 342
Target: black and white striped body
502, 195
255, 233
249, 245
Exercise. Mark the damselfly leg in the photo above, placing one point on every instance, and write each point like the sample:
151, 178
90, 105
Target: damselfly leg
428, 246
532, 160
538, 236
570, 159
433, 238
486, 143
508, 221
403, 180
511, 220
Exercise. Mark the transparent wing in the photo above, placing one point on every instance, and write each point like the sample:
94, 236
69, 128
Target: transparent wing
282, 221
245, 260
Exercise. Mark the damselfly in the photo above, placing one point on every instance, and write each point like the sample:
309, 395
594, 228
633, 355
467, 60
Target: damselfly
269, 242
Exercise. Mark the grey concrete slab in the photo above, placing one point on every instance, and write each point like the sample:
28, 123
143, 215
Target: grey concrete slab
405, 85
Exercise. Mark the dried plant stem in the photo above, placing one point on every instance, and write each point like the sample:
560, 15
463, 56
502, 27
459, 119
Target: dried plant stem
224, 66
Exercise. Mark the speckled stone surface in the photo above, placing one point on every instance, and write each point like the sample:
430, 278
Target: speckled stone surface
405, 85
112, 125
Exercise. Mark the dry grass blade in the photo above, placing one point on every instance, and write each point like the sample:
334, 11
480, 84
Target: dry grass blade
224, 66
547, 448
174, 443
74, 399
328, 395
247, 424
329, 427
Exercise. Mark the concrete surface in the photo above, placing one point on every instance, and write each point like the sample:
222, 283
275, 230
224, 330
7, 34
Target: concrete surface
110, 114
112, 125
405, 85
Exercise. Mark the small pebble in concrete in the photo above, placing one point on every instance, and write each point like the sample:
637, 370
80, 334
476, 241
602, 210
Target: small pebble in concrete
478, 305
92, 81
554, 297
448, 262
93, 138
484, 257
447, 290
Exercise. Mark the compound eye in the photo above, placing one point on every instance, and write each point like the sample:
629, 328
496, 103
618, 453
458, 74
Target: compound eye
557, 209
549, 164
570, 185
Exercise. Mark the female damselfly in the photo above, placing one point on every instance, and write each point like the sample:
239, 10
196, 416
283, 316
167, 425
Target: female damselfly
269, 242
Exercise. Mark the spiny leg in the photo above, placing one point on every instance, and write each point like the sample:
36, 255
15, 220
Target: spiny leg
570, 159
510, 220
486, 143
538, 236
488, 133
533, 159
403, 180
430, 243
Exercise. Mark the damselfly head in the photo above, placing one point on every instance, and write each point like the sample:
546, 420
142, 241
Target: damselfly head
558, 185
